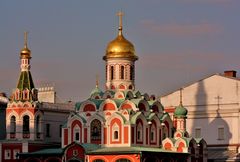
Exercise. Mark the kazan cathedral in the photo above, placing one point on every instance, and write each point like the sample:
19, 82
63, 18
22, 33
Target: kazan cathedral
122, 124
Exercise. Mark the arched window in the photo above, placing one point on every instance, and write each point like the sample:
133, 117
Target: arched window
131, 72
139, 132
26, 124
77, 134
152, 133
123, 160
25, 94
115, 135
96, 131
111, 73
38, 127
13, 125
122, 72
115, 132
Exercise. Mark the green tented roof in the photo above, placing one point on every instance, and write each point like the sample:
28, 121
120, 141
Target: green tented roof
25, 81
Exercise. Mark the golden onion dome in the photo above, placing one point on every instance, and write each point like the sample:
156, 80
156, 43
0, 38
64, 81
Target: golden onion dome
120, 47
25, 52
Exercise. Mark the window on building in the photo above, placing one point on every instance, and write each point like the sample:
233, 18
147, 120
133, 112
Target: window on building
25, 95
123, 160
220, 133
13, 125
60, 130
122, 72
26, 124
7, 154
197, 132
38, 127
111, 73
115, 135
115, 132
76, 133
95, 130
152, 133
152, 136
15, 152
131, 73
77, 136
139, 132
48, 134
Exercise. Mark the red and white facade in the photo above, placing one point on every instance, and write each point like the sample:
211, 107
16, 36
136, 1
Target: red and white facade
29, 123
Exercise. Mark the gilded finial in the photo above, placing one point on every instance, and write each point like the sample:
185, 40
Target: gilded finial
96, 81
120, 14
25, 39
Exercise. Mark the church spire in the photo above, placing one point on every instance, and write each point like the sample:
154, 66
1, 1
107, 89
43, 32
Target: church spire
97, 82
25, 52
181, 96
25, 39
25, 86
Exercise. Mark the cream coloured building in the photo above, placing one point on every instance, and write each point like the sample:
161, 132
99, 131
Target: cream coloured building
213, 113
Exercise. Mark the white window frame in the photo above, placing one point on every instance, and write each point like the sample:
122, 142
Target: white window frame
115, 128
15, 152
76, 129
7, 154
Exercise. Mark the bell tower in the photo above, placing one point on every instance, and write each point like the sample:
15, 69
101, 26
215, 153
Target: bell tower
20, 113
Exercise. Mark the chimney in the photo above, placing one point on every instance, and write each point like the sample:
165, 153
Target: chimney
230, 73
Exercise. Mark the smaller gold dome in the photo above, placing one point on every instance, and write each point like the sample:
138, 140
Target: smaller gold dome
25, 53
120, 48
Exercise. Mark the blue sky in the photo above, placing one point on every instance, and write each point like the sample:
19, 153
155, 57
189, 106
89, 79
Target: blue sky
177, 41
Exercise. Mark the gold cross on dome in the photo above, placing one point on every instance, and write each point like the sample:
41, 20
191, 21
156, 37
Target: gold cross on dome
97, 82
120, 14
25, 39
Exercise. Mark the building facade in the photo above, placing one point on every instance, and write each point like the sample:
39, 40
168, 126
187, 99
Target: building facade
30, 125
213, 113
